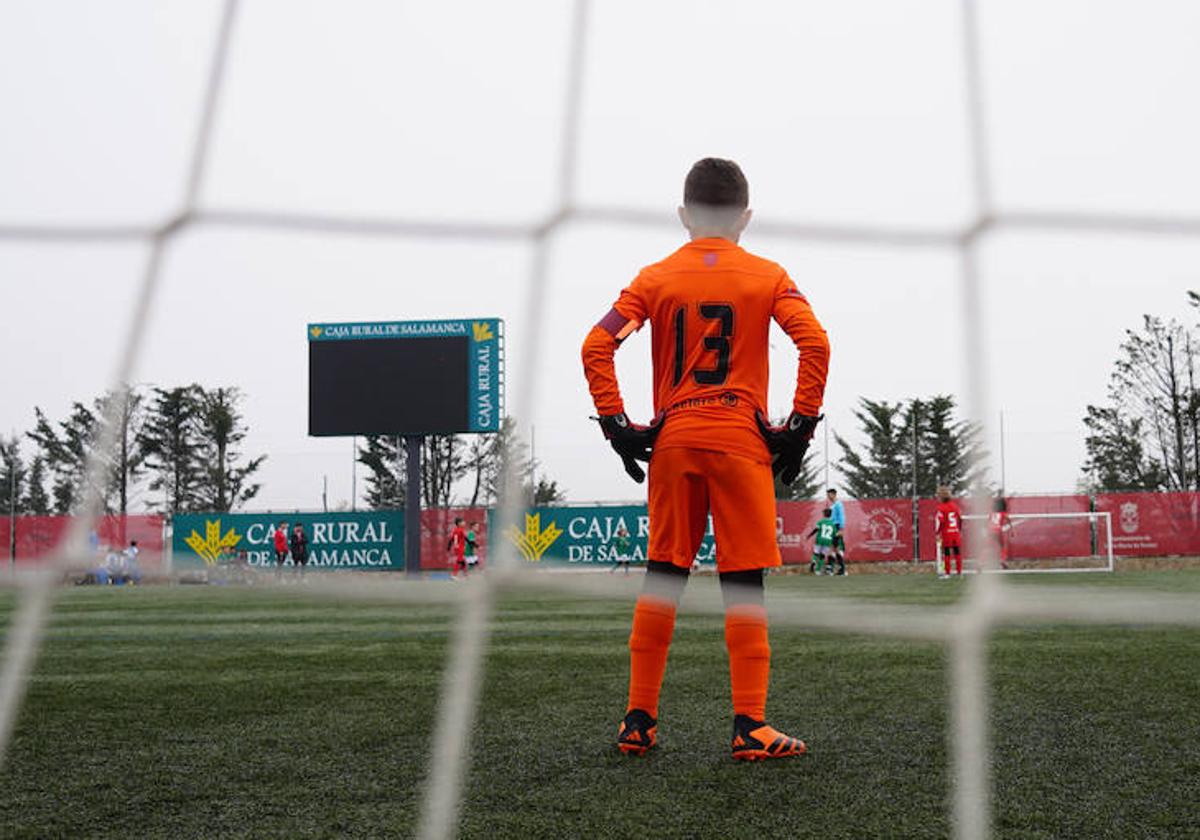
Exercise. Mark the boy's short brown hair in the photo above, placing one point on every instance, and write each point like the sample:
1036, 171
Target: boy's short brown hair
714, 182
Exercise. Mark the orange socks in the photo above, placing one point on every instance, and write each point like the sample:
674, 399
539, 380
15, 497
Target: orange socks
749, 658
745, 637
653, 625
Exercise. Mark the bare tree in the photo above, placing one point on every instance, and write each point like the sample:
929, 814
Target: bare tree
1151, 426
448, 461
123, 408
443, 464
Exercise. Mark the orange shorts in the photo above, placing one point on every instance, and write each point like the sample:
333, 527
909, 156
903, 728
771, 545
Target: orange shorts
686, 484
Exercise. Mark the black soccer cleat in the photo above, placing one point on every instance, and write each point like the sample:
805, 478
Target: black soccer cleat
637, 733
754, 740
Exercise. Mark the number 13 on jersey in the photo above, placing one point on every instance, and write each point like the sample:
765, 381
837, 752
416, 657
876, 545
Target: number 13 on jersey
698, 322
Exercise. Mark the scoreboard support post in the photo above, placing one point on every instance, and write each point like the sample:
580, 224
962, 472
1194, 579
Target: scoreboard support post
412, 504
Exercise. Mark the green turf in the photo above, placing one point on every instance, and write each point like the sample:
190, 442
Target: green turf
193, 712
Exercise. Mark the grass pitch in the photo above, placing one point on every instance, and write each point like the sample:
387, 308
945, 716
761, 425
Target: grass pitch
193, 712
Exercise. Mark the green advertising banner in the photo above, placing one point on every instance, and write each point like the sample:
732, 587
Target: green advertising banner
586, 536
365, 541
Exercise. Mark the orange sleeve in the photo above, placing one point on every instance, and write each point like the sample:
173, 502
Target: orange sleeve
601, 345
796, 317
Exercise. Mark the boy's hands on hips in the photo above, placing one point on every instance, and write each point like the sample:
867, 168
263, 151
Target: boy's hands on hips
788, 443
632, 441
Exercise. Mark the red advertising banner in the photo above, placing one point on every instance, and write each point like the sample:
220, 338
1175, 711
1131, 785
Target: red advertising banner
1153, 524
38, 536
1047, 538
926, 508
436, 525
877, 530
793, 521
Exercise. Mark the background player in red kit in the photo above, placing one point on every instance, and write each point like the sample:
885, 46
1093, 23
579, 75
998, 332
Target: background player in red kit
281, 547
1000, 528
947, 524
710, 306
457, 546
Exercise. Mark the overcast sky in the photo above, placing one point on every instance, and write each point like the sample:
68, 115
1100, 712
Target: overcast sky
842, 114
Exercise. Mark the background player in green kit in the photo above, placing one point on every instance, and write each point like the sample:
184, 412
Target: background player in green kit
621, 544
826, 532
471, 550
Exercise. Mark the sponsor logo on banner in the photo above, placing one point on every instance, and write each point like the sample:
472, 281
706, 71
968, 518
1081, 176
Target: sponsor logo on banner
881, 530
212, 545
482, 331
588, 535
1129, 517
533, 542
343, 540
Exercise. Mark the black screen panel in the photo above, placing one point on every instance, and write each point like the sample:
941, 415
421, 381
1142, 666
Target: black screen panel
388, 386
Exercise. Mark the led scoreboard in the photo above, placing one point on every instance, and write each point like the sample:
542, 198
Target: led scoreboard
406, 377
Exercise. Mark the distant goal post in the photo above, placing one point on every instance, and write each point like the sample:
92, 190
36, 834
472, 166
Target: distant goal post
1094, 530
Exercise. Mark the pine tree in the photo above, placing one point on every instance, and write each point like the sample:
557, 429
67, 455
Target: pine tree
12, 477
67, 447
36, 502
170, 445
384, 458
920, 438
224, 477
1116, 459
949, 452
879, 473
65, 450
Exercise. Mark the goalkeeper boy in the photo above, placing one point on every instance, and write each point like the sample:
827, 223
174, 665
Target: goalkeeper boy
710, 306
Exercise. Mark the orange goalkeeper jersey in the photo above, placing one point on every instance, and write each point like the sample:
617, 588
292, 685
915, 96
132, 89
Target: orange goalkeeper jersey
710, 306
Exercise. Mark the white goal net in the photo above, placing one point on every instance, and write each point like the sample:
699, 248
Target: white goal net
1078, 542
571, 219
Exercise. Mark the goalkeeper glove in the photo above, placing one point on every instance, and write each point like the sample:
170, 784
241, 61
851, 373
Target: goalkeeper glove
788, 443
632, 442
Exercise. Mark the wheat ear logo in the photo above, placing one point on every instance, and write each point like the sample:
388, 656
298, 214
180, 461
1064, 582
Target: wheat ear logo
212, 544
534, 541
315, 332
483, 332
